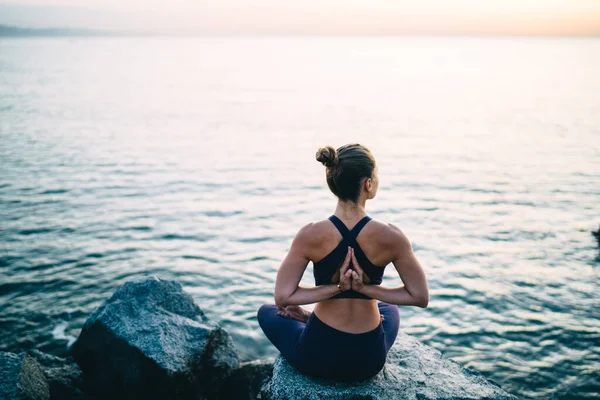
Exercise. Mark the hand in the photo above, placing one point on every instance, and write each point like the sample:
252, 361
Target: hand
294, 312
345, 272
357, 275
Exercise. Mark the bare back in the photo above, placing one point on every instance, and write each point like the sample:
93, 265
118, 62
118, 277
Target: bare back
347, 314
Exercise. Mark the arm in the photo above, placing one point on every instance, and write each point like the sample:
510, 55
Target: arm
287, 291
415, 291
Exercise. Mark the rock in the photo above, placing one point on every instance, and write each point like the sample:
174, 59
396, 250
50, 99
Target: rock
412, 371
22, 378
151, 341
62, 374
596, 234
246, 381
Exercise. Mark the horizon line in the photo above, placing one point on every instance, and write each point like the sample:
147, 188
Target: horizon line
7, 31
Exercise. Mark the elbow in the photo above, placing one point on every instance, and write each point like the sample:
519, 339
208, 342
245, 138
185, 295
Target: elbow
423, 301
419, 298
281, 301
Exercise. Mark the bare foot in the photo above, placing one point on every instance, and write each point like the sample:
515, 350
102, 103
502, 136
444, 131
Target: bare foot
294, 312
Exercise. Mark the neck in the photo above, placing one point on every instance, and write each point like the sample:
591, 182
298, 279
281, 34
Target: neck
349, 210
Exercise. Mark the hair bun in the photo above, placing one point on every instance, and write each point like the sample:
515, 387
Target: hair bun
328, 156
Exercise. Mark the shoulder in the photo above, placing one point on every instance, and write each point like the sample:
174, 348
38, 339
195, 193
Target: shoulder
313, 233
398, 235
390, 235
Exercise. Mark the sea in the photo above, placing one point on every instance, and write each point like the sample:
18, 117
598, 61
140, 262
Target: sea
193, 159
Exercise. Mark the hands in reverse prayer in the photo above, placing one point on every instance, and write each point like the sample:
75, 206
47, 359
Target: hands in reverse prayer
347, 278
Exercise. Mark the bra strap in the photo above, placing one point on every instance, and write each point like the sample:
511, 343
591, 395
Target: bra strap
349, 235
359, 225
340, 226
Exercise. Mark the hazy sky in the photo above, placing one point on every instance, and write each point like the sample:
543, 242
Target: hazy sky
520, 17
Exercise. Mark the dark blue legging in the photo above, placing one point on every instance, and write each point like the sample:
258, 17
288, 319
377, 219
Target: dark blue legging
320, 350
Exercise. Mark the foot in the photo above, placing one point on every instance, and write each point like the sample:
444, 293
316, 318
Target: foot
294, 312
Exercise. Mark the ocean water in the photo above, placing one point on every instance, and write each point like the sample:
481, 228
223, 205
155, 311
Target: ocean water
193, 159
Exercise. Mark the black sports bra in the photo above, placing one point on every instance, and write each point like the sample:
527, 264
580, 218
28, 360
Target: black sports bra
328, 266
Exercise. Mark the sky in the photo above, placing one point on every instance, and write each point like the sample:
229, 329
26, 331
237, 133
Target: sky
437, 17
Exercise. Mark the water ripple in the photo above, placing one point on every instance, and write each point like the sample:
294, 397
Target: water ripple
497, 193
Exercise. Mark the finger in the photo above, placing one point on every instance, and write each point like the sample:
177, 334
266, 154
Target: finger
347, 275
363, 277
355, 262
346, 262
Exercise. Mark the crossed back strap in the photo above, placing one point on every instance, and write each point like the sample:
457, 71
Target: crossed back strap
349, 235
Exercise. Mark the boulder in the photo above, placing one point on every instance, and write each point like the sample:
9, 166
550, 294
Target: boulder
246, 381
22, 378
62, 374
151, 341
412, 371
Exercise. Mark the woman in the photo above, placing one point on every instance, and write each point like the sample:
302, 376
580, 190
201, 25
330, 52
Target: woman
349, 333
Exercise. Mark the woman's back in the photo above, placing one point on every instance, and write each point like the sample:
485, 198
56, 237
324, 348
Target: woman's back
359, 314
374, 239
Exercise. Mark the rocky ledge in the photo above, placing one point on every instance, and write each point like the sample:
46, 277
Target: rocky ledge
151, 341
412, 371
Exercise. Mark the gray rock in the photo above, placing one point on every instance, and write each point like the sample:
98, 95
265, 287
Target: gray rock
22, 378
151, 341
246, 381
62, 374
412, 371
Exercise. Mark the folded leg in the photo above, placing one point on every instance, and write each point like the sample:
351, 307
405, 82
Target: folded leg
283, 332
391, 322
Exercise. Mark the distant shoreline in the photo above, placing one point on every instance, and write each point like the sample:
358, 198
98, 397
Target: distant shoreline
8, 31
15, 31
